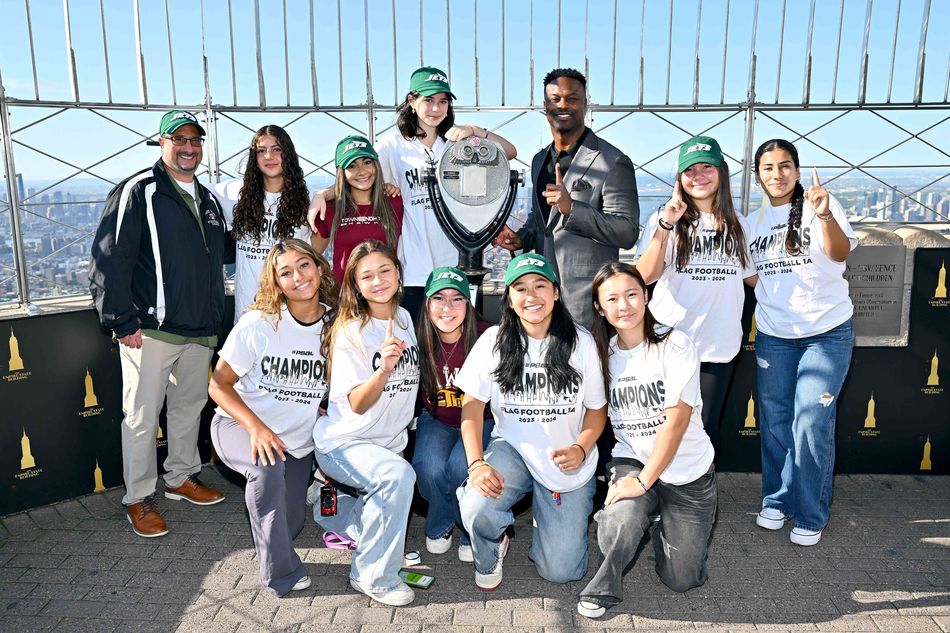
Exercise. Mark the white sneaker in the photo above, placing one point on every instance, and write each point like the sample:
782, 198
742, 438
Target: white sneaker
398, 596
439, 545
301, 584
488, 582
465, 554
590, 609
770, 519
803, 537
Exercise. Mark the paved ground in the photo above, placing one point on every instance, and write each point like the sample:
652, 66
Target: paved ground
883, 565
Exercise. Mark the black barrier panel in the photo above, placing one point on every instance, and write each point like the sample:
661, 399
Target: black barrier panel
893, 412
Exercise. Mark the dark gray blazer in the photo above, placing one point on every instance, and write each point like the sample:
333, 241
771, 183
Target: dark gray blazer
605, 217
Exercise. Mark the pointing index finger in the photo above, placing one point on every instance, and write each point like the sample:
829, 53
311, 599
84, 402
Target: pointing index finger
814, 177
676, 190
389, 329
557, 174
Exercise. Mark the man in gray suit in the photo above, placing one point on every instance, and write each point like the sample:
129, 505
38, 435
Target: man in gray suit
585, 206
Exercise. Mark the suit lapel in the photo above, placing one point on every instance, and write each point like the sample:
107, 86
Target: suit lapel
583, 159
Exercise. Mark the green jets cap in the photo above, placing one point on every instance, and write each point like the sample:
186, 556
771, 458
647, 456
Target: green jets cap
353, 147
428, 81
525, 265
447, 277
699, 149
177, 118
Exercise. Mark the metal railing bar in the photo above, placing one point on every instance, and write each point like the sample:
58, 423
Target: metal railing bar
171, 57
139, 53
475, 47
897, 26
614, 122
586, 39
725, 52
921, 54
613, 57
752, 56
29, 31
395, 58
422, 30
313, 60
834, 76
781, 48
105, 49
70, 54
863, 72
806, 85
558, 32
917, 135
55, 221
643, 9
531, 53
691, 134
503, 63
38, 121
262, 96
699, 19
669, 53
286, 53
233, 65
370, 103
448, 35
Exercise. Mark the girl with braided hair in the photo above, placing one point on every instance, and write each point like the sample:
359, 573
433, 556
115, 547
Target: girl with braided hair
799, 241
695, 249
268, 205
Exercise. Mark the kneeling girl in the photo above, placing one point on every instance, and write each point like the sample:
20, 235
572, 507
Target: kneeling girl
267, 437
373, 368
662, 462
543, 378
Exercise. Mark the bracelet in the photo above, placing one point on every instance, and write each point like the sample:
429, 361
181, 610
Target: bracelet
486, 132
666, 226
640, 481
475, 461
825, 218
478, 463
582, 450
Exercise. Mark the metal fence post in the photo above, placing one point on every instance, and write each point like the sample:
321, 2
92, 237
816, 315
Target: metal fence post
13, 201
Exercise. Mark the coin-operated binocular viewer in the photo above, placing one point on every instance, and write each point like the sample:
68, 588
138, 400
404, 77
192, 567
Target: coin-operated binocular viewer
472, 189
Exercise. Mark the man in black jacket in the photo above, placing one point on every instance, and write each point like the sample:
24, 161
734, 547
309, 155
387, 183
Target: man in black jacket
156, 277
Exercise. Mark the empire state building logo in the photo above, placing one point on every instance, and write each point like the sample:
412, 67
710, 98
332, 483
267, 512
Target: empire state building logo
15, 363
749, 428
933, 387
90, 402
28, 466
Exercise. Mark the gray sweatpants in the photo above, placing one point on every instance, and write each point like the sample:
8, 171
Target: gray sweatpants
276, 503
680, 542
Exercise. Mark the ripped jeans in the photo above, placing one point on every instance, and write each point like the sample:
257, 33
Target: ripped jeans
799, 381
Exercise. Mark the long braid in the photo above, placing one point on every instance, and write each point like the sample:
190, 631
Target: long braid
793, 234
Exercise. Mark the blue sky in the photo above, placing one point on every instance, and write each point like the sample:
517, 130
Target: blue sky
530, 30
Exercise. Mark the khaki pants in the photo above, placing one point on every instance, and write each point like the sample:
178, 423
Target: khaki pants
149, 374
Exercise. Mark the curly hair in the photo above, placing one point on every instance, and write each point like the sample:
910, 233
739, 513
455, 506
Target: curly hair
294, 198
729, 235
269, 298
567, 73
793, 238
408, 121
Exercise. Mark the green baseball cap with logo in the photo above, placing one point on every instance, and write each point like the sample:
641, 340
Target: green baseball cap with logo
527, 264
177, 118
447, 277
699, 149
353, 147
429, 81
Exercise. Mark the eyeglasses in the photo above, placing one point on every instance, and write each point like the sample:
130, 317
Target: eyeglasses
178, 141
455, 303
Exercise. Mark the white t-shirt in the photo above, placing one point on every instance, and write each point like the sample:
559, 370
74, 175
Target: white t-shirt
281, 374
535, 420
356, 355
250, 255
704, 300
423, 245
646, 381
802, 295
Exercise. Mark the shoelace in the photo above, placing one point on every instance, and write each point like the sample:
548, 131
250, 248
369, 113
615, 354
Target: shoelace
148, 505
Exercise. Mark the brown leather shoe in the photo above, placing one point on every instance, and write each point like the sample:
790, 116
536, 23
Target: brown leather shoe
145, 519
194, 491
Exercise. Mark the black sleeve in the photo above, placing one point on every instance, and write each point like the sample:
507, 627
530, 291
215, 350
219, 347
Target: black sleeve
113, 261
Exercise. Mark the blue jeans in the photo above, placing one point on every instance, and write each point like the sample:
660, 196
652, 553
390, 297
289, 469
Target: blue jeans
799, 381
439, 462
559, 539
385, 482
